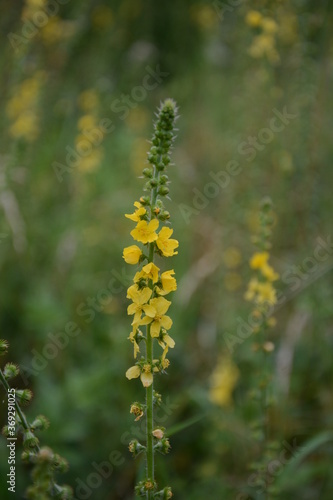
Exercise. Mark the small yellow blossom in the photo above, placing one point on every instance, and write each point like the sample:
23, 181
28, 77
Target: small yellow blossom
145, 232
88, 100
132, 254
269, 272
253, 18
140, 305
161, 305
134, 342
149, 271
158, 433
266, 293
259, 259
145, 375
223, 381
169, 283
137, 411
252, 289
165, 244
139, 212
269, 25
166, 341
232, 257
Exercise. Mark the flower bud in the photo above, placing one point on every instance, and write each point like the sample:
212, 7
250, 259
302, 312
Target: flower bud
137, 410
29, 439
135, 447
11, 371
158, 433
147, 172
163, 190
23, 396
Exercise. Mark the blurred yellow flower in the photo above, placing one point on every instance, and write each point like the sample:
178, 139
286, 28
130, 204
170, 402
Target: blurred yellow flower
253, 18
258, 260
86, 122
232, 257
232, 281
88, 100
223, 381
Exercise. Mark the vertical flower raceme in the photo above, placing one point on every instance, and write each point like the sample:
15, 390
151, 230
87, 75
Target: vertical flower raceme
149, 307
262, 293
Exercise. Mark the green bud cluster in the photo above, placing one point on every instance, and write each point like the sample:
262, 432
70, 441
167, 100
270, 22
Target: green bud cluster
159, 157
44, 461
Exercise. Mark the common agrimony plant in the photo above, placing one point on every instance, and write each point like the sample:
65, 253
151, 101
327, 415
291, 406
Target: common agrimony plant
45, 463
149, 307
262, 293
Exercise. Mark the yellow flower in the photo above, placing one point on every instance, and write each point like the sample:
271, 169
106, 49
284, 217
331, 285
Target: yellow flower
88, 100
161, 305
164, 243
259, 259
132, 254
145, 375
138, 213
232, 257
223, 381
140, 299
145, 232
169, 283
149, 271
167, 341
253, 18
132, 338
266, 293
252, 289
269, 25
269, 273
86, 122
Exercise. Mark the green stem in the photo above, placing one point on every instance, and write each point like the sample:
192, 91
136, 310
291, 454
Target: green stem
23, 419
150, 389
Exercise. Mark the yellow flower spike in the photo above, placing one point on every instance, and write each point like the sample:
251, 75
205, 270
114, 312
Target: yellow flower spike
133, 372
161, 305
132, 254
148, 304
258, 260
145, 231
165, 244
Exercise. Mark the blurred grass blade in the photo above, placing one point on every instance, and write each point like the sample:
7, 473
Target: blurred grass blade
184, 425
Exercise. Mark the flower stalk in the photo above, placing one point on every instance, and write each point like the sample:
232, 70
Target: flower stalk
149, 305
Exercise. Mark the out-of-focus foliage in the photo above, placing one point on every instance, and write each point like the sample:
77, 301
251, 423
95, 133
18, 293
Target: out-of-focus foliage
78, 88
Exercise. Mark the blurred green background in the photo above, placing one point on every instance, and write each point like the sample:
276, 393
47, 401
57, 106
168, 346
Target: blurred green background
232, 66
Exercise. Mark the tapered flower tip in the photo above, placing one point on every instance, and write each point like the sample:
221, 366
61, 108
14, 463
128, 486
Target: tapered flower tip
169, 105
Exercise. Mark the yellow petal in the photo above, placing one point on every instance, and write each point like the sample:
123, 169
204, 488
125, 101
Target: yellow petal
149, 310
166, 322
146, 379
155, 329
132, 309
133, 372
